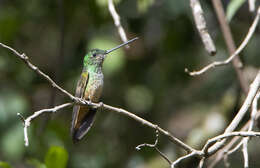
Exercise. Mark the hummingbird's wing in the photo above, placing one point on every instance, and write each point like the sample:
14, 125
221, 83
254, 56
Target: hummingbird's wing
83, 116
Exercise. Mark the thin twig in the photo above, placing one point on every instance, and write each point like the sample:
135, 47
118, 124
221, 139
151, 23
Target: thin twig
222, 153
163, 155
28, 120
202, 27
254, 87
201, 162
117, 22
251, 125
245, 152
176, 162
139, 147
228, 135
235, 148
254, 112
151, 125
21, 117
240, 48
236, 62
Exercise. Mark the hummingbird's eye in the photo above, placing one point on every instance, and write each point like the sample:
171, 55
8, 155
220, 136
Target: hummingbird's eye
94, 55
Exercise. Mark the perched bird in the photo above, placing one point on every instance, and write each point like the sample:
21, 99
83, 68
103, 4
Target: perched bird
89, 87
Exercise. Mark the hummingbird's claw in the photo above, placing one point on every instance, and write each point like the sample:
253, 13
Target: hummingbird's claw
78, 100
100, 104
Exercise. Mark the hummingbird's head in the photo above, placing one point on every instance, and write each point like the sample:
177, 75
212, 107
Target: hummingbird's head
95, 57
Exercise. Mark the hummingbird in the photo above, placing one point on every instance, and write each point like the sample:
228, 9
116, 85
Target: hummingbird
89, 87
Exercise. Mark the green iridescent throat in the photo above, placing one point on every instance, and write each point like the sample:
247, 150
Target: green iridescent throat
91, 65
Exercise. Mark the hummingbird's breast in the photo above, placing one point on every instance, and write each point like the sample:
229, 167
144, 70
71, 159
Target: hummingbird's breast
94, 86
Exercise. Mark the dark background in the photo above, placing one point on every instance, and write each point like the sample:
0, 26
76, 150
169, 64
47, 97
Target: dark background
148, 79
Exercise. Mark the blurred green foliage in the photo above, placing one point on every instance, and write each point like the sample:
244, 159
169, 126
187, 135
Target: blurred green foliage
147, 79
143, 5
115, 61
232, 8
4, 165
56, 157
36, 163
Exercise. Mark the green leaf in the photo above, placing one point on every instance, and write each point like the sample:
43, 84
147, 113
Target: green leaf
56, 157
4, 165
232, 8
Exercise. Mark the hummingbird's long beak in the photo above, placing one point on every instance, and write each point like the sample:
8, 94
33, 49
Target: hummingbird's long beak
121, 45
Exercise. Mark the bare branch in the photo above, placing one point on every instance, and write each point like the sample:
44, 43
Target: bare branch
240, 48
28, 120
244, 144
151, 125
163, 155
202, 27
223, 153
228, 135
201, 162
117, 22
236, 62
254, 112
25, 59
21, 117
245, 152
235, 148
139, 147
174, 164
254, 87
251, 125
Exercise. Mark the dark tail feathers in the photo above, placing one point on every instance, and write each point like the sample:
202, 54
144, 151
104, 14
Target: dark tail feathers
87, 122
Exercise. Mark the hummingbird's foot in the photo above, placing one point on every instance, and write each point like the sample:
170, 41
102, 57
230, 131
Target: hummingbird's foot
89, 101
100, 105
78, 100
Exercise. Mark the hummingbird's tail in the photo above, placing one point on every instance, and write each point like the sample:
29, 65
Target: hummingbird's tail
80, 127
